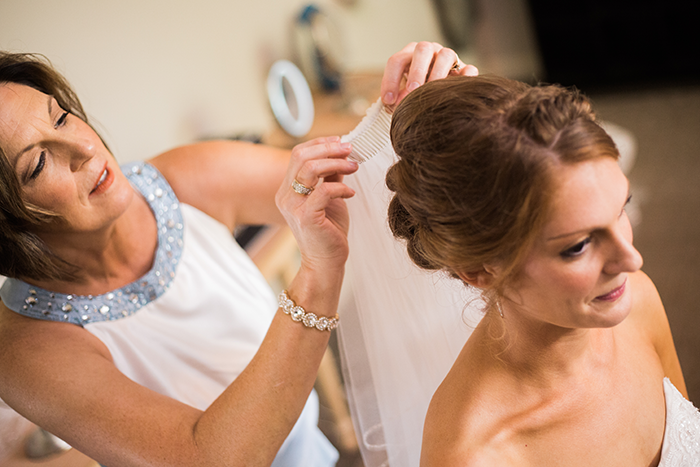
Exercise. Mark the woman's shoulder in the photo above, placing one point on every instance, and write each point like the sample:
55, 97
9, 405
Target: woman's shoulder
33, 351
22, 336
648, 324
232, 181
647, 312
468, 424
469, 406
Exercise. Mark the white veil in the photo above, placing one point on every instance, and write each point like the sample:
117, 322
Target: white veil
401, 327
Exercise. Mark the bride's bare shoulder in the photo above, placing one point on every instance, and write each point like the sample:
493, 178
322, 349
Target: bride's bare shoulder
649, 322
647, 318
462, 428
467, 409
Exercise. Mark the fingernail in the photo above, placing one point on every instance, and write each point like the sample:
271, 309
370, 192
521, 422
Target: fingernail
346, 146
353, 163
333, 139
412, 85
389, 98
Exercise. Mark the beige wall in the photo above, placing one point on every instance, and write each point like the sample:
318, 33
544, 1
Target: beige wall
154, 74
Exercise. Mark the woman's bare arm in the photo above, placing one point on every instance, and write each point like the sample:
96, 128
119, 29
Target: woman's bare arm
234, 182
63, 379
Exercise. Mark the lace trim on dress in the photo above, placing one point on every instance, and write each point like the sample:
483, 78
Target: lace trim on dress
681, 447
38, 303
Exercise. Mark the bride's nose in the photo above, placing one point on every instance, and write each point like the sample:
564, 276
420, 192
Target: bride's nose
624, 257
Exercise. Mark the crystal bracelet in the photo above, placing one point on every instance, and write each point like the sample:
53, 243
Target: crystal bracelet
310, 320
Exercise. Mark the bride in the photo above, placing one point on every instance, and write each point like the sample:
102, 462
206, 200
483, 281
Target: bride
516, 191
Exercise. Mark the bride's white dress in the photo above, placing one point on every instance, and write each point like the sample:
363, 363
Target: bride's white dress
402, 329
681, 446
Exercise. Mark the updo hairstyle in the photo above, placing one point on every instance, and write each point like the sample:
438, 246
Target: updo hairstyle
474, 182
22, 253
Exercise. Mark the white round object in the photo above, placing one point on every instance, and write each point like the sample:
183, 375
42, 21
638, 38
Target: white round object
290, 98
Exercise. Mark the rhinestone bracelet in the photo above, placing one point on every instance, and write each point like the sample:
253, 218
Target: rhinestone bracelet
310, 320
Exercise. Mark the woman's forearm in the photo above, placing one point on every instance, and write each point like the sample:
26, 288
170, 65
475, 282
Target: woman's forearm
249, 422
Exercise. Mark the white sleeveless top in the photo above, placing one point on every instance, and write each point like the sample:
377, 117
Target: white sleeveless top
189, 326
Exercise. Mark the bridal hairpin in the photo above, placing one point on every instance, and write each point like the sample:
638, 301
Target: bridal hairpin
371, 136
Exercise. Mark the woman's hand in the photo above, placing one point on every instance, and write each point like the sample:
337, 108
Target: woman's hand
418, 63
320, 219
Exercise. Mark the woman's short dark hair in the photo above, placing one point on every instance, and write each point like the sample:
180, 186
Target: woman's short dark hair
474, 179
22, 253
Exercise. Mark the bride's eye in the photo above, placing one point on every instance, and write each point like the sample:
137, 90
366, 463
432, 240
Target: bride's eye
576, 250
39, 166
61, 120
627, 202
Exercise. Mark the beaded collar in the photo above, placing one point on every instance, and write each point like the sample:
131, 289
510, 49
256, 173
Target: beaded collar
38, 303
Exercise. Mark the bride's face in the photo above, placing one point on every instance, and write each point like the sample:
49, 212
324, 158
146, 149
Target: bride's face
575, 275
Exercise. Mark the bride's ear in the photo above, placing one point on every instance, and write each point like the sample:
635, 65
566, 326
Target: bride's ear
482, 278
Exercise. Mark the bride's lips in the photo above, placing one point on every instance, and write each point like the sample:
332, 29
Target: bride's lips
613, 294
103, 182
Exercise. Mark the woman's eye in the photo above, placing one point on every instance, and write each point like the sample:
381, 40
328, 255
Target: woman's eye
39, 166
624, 208
61, 120
577, 249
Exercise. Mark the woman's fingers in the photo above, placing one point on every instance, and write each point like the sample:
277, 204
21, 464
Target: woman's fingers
321, 198
322, 158
394, 71
446, 62
319, 148
322, 217
469, 70
418, 63
315, 169
315, 142
422, 61
413, 63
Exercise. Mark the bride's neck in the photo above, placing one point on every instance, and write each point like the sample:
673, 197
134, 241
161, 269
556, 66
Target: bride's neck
547, 353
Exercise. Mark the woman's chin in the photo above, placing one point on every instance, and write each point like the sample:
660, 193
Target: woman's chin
608, 315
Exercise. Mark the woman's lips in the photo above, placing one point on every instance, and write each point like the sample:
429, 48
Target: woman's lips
613, 294
104, 182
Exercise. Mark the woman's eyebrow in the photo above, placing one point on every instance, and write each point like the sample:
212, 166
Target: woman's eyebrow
578, 232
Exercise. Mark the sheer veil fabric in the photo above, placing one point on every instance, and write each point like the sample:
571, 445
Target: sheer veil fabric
402, 327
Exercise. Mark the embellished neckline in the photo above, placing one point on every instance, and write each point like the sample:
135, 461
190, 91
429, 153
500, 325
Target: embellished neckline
39, 303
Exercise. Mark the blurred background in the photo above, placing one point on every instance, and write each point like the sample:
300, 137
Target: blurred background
155, 74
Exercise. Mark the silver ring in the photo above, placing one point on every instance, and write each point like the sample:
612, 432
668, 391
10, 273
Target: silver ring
457, 66
301, 188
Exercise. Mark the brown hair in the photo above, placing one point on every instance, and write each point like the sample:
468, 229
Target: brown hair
474, 180
22, 253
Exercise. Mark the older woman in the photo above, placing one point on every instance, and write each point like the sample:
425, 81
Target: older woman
516, 191
132, 325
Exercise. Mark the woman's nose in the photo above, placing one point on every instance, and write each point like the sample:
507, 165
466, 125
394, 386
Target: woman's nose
81, 150
624, 256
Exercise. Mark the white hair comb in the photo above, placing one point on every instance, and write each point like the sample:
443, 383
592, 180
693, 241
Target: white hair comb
371, 136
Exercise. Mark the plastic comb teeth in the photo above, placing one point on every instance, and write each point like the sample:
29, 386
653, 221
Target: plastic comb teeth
371, 136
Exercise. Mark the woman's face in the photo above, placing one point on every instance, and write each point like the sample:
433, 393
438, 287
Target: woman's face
61, 163
575, 275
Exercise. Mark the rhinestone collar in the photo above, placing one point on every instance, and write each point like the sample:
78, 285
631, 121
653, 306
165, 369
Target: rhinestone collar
38, 303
